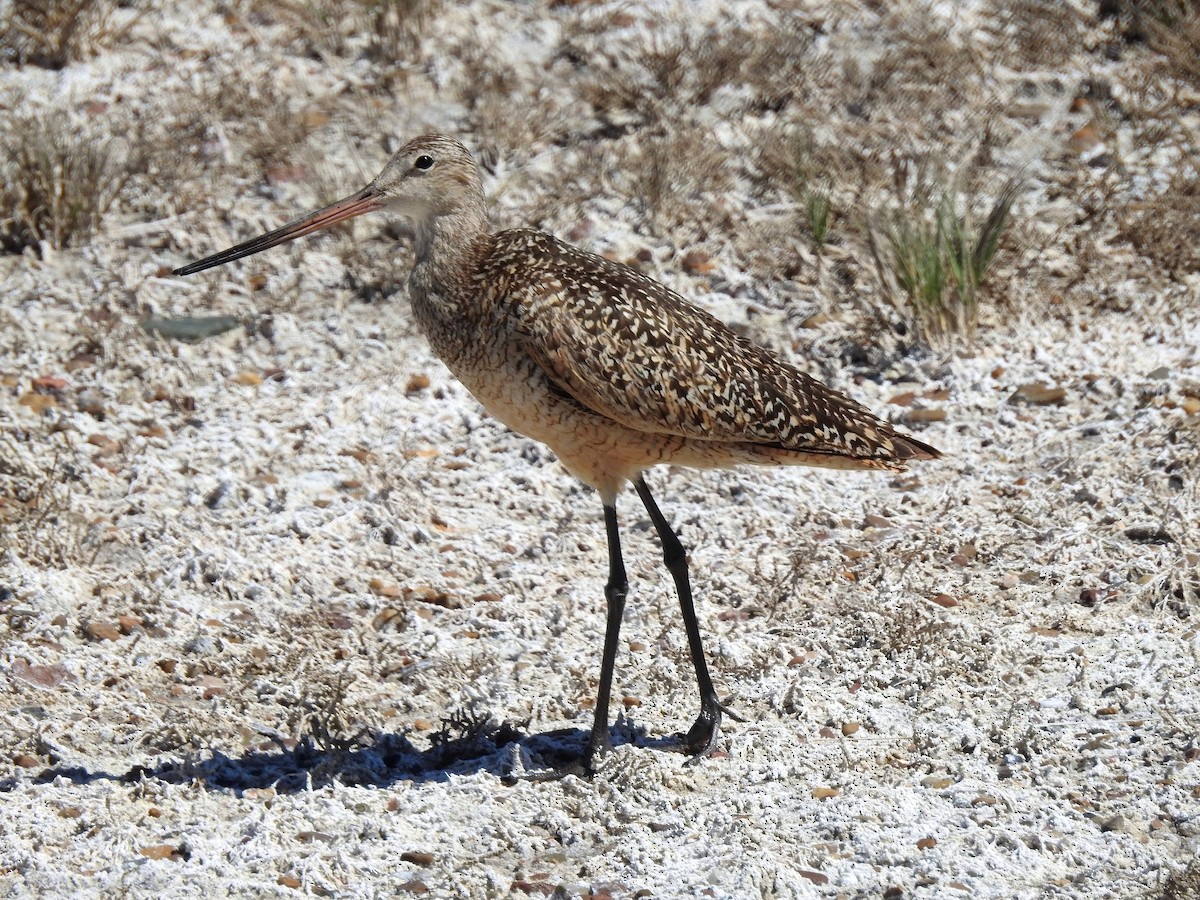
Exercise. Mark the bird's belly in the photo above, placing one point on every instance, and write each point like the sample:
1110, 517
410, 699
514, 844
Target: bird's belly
597, 450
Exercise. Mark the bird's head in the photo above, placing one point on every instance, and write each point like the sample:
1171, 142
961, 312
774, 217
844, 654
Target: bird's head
429, 177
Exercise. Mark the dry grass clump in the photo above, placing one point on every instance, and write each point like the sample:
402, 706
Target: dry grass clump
924, 73
1183, 884
36, 519
53, 33
665, 71
932, 255
1042, 34
393, 29
1171, 28
677, 179
57, 182
243, 120
789, 161
1166, 228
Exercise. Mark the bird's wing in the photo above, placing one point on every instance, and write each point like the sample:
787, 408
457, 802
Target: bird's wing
632, 350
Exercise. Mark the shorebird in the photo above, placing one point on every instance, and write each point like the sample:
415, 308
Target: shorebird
612, 370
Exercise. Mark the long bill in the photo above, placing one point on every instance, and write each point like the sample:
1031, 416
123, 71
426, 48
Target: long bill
365, 201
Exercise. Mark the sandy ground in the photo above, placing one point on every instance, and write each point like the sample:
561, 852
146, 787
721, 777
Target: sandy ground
286, 613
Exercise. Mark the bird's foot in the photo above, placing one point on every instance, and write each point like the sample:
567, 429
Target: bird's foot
701, 739
599, 744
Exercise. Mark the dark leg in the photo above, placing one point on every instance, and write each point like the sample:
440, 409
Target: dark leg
614, 593
701, 740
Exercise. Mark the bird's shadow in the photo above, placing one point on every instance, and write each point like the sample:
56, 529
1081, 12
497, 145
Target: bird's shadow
376, 760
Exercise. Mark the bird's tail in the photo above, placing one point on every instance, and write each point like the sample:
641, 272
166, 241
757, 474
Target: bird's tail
910, 448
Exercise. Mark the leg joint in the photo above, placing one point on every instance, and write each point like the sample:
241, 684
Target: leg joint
673, 551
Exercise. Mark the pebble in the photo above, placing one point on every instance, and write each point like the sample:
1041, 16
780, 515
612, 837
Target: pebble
203, 645
696, 262
102, 631
1039, 393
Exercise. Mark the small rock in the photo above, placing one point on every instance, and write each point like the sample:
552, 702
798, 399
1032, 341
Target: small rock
1040, 393
533, 887
417, 857
211, 686
823, 793
925, 414
36, 402
42, 676
49, 383
696, 262
102, 631
944, 600
202, 645
382, 588
927, 843
160, 851
1149, 534
1009, 580
25, 761
385, 617
435, 596
580, 230
1085, 139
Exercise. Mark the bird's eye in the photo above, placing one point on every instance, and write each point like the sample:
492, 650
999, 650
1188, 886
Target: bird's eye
424, 162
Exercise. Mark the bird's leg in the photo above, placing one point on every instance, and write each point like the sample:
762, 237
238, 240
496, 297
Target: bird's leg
701, 740
615, 591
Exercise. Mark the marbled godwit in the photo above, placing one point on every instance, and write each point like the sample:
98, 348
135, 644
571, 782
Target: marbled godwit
612, 370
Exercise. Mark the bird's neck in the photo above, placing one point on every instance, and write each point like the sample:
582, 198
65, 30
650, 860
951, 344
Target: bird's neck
441, 287
446, 244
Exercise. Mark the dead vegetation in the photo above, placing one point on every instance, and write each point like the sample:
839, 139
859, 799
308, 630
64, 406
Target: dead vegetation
57, 181
1166, 227
52, 33
37, 522
1041, 34
388, 33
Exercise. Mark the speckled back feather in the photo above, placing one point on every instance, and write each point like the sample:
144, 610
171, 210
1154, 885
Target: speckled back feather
636, 352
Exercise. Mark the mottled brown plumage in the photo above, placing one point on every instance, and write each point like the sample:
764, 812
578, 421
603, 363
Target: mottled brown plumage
612, 370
